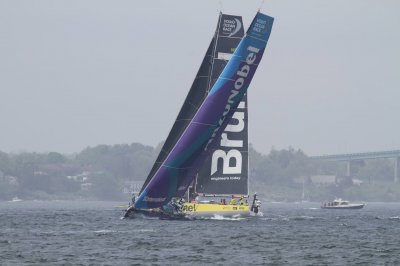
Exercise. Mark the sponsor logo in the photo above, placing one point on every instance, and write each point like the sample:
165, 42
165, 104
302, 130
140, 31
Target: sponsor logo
225, 178
231, 26
232, 160
259, 25
148, 199
232, 154
189, 208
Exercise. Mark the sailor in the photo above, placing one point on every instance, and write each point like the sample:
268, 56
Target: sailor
233, 201
241, 200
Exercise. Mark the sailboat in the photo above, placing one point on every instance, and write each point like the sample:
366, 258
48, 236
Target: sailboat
225, 171
215, 100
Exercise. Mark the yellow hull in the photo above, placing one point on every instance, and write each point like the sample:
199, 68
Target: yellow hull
211, 210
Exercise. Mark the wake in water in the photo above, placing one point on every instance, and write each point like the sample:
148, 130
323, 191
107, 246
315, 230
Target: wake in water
105, 232
292, 218
222, 218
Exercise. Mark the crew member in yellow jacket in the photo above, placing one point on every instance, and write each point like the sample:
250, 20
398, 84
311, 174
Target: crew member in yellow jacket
233, 201
241, 202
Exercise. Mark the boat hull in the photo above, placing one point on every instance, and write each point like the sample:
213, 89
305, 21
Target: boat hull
132, 212
352, 207
193, 210
212, 210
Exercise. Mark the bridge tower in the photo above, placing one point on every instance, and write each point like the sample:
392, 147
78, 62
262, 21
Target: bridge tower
348, 169
396, 169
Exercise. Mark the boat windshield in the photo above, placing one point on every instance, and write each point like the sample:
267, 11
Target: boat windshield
340, 202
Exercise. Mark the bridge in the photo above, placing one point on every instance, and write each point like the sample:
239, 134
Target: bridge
349, 157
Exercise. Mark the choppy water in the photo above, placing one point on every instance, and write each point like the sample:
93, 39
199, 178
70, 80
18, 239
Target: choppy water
92, 233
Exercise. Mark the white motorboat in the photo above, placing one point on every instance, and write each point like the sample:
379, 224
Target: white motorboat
342, 204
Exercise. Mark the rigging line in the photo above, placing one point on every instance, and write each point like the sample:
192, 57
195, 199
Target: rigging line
197, 108
183, 119
204, 124
178, 168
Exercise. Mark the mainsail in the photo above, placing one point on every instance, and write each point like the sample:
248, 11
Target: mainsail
177, 170
226, 169
194, 99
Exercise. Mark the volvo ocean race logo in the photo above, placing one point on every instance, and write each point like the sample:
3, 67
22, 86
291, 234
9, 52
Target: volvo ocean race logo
231, 26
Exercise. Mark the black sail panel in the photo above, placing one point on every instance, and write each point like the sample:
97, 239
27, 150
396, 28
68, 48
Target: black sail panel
226, 169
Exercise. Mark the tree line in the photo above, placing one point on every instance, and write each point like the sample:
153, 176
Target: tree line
102, 171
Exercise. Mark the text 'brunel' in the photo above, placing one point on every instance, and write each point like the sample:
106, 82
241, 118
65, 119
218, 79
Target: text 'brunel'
232, 160
239, 82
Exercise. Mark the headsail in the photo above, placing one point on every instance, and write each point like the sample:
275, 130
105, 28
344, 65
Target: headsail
194, 99
206, 126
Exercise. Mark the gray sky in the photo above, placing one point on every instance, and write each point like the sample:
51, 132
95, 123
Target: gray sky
81, 73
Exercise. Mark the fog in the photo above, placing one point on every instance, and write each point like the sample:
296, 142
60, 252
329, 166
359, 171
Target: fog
81, 73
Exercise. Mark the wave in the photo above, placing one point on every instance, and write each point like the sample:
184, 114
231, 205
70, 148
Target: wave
105, 231
222, 218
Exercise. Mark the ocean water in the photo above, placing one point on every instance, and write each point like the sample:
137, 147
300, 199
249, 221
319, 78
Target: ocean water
93, 233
